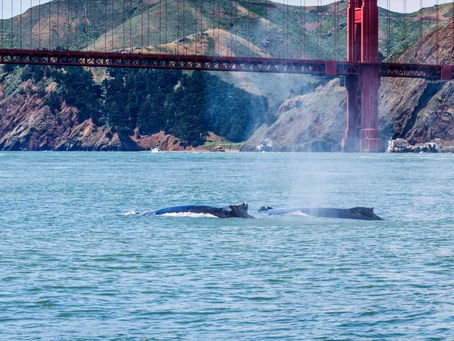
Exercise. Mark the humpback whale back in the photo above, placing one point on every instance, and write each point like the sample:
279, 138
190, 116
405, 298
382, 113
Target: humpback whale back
357, 213
232, 211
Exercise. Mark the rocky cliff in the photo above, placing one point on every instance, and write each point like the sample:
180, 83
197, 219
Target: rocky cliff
417, 110
28, 123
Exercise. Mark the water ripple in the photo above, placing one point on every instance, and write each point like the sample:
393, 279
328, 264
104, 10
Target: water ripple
70, 263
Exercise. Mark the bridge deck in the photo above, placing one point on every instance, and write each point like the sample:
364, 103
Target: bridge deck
215, 63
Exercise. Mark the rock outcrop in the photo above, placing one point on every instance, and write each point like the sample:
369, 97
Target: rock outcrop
27, 123
419, 111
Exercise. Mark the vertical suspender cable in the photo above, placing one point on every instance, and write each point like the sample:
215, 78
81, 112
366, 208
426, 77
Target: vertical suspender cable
437, 31
319, 28
148, 26
76, 27
300, 31
335, 30
39, 24
404, 24
130, 16
12, 24
288, 29
68, 26
281, 49
3, 25
421, 11
201, 25
160, 22
31, 24
248, 30
112, 25
141, 24
58, 25
87, 22
20, 25
269, 21
284, 8
166, 18
304, 30
178, 27
284, 53
105, 25
195, 28
252, 15
235, 23
123, 26
184, 26
218, 13
388, 28
220, 9
284, 26
50, 26
213, 25
231, 28
452, 32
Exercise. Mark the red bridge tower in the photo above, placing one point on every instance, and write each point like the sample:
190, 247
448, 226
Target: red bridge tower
362, 90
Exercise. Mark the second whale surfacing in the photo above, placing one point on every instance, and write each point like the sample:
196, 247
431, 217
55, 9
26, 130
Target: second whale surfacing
231, 211
356, 213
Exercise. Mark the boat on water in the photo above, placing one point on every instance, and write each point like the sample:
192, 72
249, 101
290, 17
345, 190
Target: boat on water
156, 149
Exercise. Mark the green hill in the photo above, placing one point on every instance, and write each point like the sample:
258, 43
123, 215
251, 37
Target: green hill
241, 28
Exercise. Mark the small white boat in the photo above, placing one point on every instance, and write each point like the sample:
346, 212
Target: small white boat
156, 149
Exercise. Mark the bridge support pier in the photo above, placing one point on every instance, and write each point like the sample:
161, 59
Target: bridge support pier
351, 141
369, 135
362, 132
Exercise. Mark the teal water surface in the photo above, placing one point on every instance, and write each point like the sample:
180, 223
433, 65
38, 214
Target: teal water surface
73, 268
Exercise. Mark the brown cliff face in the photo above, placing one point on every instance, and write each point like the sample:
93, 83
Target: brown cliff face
311, 122
418, 110
414, 109
27, 123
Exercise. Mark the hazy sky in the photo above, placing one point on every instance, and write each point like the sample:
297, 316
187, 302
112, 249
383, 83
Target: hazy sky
396, 5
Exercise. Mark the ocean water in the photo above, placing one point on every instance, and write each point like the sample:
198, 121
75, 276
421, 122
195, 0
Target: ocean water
74, 266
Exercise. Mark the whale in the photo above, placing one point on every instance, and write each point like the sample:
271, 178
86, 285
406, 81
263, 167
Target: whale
231, 211
356, 213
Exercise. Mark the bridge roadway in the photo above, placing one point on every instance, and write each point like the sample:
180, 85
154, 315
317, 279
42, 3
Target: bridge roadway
217, 63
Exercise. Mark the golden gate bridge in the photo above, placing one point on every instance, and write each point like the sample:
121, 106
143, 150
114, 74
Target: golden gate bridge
67, 33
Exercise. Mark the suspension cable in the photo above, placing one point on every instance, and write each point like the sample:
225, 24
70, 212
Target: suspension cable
452, 33
404, 24
130, 15
421, 11
336, 29
76, 29
178, 28
123, 25
437, 31
94, 25
12, 25
49, 35
3, 24
31, 24
39, 24
105, 25
388, 29
112, 24
166, 17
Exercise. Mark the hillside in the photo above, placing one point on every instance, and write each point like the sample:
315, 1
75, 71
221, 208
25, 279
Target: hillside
417, 110
298, 116
242, 28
